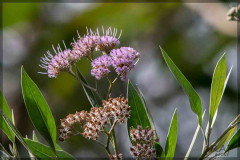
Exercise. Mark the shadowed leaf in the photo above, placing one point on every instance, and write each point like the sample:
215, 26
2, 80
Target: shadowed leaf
38, 109
6, 110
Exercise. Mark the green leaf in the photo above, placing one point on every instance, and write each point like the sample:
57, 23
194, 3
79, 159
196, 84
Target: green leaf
92, 97
159, 150
225, 138
194, 99
38, 109
218, 85
139, 114
172, 137
13, 129
43, 151
6, 110
234, 142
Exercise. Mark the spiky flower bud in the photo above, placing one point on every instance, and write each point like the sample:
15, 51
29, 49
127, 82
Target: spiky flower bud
84, 46
54, 65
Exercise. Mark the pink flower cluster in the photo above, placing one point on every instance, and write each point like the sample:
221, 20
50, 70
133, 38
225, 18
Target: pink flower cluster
142, 140
122, 59
100, 66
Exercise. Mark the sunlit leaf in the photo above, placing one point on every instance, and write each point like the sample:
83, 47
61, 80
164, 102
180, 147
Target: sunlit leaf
38, 109
6, 110
217, 87
194, 99
225, 138
43, 151
234, 142
172, 137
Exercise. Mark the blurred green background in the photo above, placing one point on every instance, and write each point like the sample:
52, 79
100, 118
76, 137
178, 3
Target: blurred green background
195, 35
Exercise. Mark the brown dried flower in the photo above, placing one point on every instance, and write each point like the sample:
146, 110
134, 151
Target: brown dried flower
65, 129
118, 108
95, 120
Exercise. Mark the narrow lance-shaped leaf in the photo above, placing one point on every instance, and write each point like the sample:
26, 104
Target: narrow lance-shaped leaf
92, 97
139, 113
218, 85
194, 99
172, 137
13, 129
38, 110
42, 151
234, 142
6, 110
225, 138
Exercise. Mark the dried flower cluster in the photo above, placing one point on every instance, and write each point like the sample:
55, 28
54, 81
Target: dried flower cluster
142, 140
121, 59
95, 120
92, 122
65, 129
118, 108
117, 156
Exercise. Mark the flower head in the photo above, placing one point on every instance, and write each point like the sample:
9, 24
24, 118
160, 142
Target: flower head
143, 140
108, 40
123, 60
118, 108
84, 46
100, 66
54, 65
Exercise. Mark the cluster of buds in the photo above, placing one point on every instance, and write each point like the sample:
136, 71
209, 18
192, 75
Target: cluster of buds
118, 108
121, 59
117, 156
142, 140
66, 126
100, 66
92, 122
